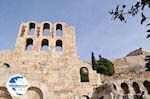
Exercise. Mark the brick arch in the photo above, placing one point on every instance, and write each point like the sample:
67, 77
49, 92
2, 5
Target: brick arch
6, 65
46, 22
33, 93
85, 97
36, 90
146, 84
136, 87
138, 93
125, 88
4, 94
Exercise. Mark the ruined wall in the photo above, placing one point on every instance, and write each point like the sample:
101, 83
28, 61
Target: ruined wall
130, 80
49, 62
129, 63
129, 85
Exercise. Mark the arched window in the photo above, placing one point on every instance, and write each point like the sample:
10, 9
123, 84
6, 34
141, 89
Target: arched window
4, 94
58, 30
136, 87
31, 28
125, 88
33, 93
46, 29
6, 64
137, 90
58, 45
85, 97
147, 86
84, 74
45, 45
29, 44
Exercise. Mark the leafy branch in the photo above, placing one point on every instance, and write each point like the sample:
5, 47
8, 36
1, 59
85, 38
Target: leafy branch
120, 12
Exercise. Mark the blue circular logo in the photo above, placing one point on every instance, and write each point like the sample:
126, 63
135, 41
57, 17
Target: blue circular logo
17, 85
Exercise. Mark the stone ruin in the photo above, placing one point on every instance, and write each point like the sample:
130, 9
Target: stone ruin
45, 54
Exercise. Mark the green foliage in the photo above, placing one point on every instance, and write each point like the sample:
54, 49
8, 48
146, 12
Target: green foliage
121, 11
104, 66
84, 76
93, 61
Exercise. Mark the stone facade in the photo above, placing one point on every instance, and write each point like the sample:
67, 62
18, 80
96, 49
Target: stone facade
45, 54
138, 52
133, 60
126, 86
130, 80
51, 74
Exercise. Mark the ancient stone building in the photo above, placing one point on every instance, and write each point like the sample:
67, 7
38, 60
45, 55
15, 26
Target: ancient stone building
45, 54
133, 60
130, 80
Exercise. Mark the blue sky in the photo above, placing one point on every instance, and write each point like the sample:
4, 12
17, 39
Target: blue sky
95, 31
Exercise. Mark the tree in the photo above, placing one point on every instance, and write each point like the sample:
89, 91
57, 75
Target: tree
93, 61
147, 65
121, 11
103, 66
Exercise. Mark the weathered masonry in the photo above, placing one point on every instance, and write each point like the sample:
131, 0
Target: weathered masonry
45, 54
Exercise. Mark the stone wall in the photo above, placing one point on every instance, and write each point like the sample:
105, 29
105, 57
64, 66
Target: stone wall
51, 74
127, 64
56, 74
126, 85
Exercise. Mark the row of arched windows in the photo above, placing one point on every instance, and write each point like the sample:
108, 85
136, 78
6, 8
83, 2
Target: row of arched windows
136, 88
44, 45
46, 30
32, 93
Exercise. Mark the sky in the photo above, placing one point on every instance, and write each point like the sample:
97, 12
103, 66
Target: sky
95, 31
